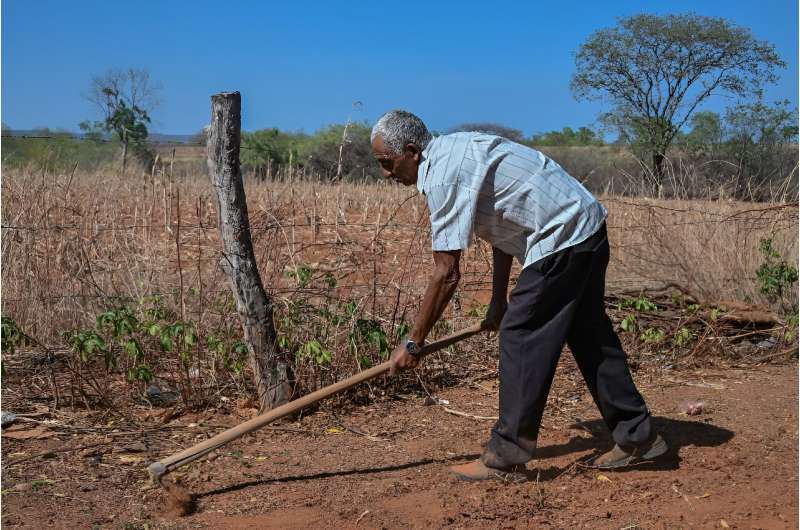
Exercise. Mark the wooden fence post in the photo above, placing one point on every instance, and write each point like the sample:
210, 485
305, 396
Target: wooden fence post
238, 259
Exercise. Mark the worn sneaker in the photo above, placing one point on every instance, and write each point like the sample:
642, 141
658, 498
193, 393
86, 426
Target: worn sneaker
477, 470
619, 457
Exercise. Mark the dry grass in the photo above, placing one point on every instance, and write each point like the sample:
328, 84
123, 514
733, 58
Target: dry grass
75, 245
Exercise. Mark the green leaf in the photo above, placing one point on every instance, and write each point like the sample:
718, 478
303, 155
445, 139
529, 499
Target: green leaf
365, 362
628, 323
682, 337
165, 341
190, 339
652, 335
134, 349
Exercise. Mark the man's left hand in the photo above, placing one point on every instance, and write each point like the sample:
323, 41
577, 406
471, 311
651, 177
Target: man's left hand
494, 315
402, 359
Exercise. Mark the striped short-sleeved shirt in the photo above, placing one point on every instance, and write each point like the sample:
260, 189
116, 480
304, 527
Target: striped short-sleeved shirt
514, 197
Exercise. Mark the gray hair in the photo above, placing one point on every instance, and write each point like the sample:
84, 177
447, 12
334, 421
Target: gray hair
398, 128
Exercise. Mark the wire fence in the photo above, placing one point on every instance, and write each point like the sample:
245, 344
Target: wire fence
342, 262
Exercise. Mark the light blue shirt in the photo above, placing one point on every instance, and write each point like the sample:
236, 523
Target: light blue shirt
507, 194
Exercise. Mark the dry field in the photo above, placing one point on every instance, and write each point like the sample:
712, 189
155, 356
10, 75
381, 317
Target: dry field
74, 243
340, 260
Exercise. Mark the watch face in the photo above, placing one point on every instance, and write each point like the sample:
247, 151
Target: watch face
411, 346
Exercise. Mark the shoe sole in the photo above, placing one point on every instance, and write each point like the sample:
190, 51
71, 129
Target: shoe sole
658, 448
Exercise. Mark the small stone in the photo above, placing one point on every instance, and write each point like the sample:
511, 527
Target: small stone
88, 487
692, 407
767, 343
7, 418
134, 447
22, 486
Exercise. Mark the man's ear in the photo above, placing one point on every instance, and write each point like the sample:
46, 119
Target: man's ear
414, 151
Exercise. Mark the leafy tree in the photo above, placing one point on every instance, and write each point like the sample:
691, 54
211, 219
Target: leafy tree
515, 135
760, 140
706, 128
320, 151
657, 70
270, 146
126, 98
568, 136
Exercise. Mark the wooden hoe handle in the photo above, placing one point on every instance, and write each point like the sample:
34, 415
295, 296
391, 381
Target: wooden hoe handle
158, 469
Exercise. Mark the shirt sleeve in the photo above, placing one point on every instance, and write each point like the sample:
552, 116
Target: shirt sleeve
452, 210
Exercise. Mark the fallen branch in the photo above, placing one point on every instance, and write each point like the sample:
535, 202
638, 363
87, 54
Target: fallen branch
467, 415
52, 452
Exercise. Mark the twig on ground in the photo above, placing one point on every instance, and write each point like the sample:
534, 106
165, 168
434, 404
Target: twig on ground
362, 516
54, 451
467, 415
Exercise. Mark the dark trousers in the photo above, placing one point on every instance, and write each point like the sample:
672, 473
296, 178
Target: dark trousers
559, 299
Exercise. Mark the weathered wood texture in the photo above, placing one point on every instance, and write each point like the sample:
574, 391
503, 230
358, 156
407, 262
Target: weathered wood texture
238, 259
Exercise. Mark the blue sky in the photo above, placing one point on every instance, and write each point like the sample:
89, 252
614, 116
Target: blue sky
301, 65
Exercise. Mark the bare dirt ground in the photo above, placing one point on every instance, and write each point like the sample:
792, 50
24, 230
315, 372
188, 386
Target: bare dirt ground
384, 465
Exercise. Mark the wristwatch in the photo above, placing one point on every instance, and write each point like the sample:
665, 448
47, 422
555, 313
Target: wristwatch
412, 347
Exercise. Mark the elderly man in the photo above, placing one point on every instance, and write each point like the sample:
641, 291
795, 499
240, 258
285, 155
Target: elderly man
527, 207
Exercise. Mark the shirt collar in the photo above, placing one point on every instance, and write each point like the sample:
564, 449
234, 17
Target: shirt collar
424, 165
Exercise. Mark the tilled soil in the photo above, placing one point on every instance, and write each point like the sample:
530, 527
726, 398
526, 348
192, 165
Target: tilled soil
734, 465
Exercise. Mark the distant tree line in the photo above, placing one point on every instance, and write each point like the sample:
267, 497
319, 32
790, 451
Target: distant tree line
655, 71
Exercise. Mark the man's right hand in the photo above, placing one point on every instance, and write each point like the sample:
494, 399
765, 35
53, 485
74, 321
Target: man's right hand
402, 359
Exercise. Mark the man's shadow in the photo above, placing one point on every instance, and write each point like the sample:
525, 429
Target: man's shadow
677, 434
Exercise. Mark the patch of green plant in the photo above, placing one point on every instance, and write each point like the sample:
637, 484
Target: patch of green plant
775, 276
12, 338
129, 337
301, 274
329, 280
372, 333
641, 303
478, 311
350, 308
233, 353
41, 483
365, 362
403, 329
682, 337
652, 335
628, 323
316, 352
86, 344
792, 321
715, 313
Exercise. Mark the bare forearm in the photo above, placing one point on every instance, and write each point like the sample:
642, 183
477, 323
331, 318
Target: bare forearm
438, 294
441, 287
501, 271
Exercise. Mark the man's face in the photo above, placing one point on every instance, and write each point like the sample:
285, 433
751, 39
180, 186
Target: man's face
400, 168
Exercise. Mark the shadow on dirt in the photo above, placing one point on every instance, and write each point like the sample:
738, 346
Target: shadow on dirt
329, 474
677, 434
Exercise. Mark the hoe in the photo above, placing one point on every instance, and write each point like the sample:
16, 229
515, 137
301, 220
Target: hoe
183, 502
